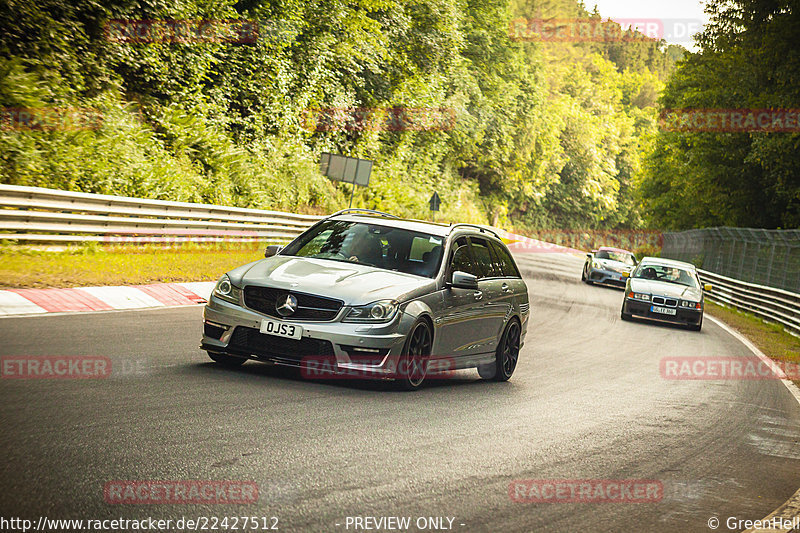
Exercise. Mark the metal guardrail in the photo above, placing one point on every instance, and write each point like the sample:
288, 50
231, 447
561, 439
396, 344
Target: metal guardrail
760, 256
769, 303
34, 214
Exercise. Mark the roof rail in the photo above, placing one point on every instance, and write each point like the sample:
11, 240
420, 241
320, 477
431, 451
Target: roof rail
482, 229
357, 210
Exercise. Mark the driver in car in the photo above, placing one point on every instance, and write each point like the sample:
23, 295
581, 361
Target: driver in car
366, 249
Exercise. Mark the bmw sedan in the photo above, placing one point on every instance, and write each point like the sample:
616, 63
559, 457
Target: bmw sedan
608, 266
665, 290
369, 294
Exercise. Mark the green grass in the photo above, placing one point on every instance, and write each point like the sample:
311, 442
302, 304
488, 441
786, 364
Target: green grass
770, 338
82, 266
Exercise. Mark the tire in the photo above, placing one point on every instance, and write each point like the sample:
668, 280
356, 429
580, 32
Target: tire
229, 361
585, 276
416, 354
506, 355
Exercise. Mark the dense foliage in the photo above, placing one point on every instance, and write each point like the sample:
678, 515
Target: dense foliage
546, 134
748, 59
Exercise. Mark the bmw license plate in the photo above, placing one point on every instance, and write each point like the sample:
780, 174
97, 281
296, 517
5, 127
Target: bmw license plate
280, 329
662, 310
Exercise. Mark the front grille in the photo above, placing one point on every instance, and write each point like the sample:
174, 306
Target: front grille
254, 342
309, 307
667, 302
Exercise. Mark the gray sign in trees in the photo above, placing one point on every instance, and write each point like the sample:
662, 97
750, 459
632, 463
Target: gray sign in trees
346, 169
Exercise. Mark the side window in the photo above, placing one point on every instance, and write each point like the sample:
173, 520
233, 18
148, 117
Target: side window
483, 258
461, 258
505, 263
424, 245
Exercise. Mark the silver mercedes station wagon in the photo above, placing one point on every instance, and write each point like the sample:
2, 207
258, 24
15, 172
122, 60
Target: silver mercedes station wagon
369, 294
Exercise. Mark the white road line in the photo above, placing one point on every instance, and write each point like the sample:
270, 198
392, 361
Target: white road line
790, 510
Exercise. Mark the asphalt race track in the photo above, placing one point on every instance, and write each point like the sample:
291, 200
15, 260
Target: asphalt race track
587, 401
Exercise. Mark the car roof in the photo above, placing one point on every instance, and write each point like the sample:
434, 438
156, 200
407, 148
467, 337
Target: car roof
423, 226
612, 249
662, 261
433, 228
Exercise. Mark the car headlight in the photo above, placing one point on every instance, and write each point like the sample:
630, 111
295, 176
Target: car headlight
639, 296
691, 305
380, 311
225, 290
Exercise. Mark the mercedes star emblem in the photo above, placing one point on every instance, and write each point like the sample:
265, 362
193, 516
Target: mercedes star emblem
286, 306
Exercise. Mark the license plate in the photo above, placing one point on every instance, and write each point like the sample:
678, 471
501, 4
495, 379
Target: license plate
280, 329
662, 310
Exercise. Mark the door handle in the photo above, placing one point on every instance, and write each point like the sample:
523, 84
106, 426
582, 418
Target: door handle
505, 288
478, 295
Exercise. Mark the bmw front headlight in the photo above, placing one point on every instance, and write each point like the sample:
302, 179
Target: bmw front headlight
225, 290
380, 311
639, 296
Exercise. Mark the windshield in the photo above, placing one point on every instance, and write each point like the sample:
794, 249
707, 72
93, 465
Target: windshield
374, 245
622, 257
666, 273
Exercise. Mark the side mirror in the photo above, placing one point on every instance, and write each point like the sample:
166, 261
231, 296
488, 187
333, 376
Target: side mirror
707, 287
462, 280
272, 249
589, 256
626, 274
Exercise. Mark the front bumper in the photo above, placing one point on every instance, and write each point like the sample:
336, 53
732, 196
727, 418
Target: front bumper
356, 348
684, 315
607, 277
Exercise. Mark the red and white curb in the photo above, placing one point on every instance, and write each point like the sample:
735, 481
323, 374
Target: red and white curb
17, 302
